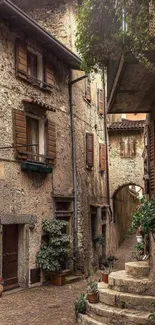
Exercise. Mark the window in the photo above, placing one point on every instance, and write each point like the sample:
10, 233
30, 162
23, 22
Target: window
100, 101
89, 150
103, 215
102, 157
64, 211
32, 66
88, 89
128, 147
35, 137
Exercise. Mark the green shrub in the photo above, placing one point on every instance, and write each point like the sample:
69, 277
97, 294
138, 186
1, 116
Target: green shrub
144, 217
80, 305
53, 254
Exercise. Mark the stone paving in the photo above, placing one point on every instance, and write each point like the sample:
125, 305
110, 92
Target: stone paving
47, 305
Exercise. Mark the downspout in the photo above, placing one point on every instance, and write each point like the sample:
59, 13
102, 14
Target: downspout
107, 151
70, 84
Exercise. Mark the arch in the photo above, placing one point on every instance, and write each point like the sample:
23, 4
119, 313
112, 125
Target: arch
126, 184
125, 202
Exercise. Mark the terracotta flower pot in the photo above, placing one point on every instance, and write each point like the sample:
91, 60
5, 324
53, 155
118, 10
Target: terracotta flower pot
104, 277
1, 289
57, 279
93, 297
139, 239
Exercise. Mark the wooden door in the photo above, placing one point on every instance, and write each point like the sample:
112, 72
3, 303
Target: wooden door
10, 255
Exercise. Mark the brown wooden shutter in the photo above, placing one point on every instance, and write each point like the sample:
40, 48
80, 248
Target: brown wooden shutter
122, 148
132, 147
20, 140
88, 89
102, 157
151, 131
21, 57
51, 141
89, 149
49, 75
100, 101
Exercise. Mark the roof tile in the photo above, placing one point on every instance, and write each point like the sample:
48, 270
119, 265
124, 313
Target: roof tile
126, 125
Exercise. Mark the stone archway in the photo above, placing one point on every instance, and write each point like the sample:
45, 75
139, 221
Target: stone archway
125, 201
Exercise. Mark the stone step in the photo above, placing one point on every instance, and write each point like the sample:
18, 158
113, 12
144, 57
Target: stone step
137, 269
86, 320
73, 278
109, 315
125, 300
122, 282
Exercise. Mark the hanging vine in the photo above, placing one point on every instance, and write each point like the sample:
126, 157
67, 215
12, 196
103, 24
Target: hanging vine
107, 28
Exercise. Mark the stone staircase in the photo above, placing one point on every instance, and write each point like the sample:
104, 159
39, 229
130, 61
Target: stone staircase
126, 300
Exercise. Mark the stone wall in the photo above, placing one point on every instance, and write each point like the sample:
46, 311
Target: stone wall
23, 193
125, 170
33, 194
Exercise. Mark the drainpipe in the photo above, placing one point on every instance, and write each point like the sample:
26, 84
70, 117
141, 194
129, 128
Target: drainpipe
107, 153
70, 84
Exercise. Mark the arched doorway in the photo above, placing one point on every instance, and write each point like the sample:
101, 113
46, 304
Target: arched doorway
125, 200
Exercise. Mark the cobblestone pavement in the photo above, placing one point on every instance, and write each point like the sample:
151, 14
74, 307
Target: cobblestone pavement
46, 305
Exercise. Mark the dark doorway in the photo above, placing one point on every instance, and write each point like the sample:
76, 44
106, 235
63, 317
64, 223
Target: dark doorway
93, 214
125, 201
10, 255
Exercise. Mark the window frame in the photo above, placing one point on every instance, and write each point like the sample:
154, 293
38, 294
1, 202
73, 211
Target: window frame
42, 137
127, 146
21, 60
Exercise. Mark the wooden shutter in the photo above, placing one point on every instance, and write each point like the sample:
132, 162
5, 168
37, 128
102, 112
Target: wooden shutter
151, 132
100, 101
131, 147
49, 75
88, 89
102, 157
21, 57
89, 149
20, 140
122, 148
51, 141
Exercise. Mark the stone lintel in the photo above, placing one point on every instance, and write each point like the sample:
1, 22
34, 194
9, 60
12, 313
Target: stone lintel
7, 219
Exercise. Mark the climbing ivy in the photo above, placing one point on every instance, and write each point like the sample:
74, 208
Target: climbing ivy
107, 28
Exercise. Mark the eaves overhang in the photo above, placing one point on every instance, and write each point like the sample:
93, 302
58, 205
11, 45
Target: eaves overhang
132, 85
31, 29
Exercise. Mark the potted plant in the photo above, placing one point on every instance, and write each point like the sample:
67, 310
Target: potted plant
80, 305
92, 292
1, 285
54, 253
139, 235
106, 269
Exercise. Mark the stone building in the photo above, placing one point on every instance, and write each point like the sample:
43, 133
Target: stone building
52, 140
126, 170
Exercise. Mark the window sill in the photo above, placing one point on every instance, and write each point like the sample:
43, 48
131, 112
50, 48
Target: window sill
35, 82
87, 101
36, 167
89, 168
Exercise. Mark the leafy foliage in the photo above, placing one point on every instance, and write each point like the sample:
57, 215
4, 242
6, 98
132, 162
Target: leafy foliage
139, 247
100, 240
52, 255
107, 28
152, 315
92, 287
80, 305
144, 217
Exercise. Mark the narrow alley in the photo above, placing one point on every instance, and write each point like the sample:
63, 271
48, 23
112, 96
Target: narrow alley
47, 305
